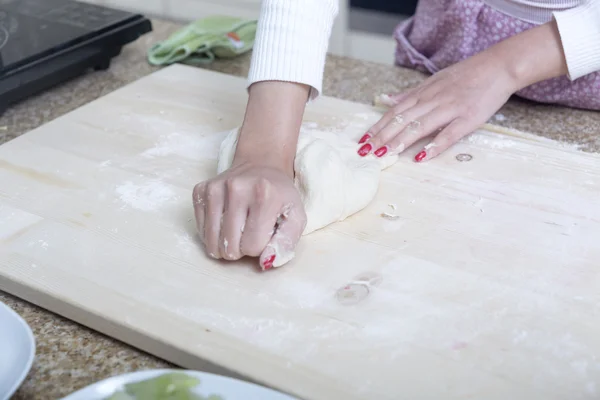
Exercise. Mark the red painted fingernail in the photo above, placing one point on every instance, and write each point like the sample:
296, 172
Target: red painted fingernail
365, 149
268, 263
365, 137
380, 152
419, 157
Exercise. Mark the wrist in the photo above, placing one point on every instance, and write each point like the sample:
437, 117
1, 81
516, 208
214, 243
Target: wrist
267, 162
264, 152
531, 56
269, 133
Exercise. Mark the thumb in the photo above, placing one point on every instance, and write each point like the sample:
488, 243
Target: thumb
288, 231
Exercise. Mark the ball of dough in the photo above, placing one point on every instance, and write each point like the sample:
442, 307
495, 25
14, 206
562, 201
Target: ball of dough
333, 180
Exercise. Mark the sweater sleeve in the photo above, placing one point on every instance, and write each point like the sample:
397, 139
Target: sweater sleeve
579, 30
291, 42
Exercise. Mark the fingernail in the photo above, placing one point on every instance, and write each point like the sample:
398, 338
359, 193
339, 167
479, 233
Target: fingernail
421, 156
268, 263
365, 149
380, 152
365, 137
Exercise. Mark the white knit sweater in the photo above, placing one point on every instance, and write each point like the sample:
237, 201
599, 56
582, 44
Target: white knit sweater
292, 36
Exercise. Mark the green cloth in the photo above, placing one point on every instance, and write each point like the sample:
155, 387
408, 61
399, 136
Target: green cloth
204, 40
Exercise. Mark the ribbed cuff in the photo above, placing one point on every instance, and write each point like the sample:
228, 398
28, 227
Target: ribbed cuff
579, 29
291, 42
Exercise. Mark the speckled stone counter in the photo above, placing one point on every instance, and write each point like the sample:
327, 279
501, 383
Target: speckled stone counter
70, 356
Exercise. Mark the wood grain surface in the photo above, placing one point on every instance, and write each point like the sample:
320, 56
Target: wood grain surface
487, 285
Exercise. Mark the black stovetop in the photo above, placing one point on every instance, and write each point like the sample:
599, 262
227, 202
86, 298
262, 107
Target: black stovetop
36, 34
31, 28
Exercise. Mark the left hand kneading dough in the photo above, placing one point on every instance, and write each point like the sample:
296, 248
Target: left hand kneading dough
333, 180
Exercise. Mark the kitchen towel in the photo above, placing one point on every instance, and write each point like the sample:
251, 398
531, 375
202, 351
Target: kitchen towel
204, 40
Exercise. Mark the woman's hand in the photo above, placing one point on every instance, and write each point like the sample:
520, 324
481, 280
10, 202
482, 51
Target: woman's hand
455, 102
249, 210
253, 208
459, 99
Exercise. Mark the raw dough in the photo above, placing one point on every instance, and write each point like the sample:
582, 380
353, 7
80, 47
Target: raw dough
333, 180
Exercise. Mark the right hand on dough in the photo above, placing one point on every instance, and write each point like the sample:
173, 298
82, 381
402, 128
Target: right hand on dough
250, 210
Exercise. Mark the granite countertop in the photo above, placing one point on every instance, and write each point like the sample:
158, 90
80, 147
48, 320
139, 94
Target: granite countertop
70, 356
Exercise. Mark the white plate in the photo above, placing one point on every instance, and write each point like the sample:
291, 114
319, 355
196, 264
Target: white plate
17, 350
228, 388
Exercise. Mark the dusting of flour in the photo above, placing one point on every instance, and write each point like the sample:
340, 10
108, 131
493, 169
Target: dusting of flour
187, 145
493, 141
146, 197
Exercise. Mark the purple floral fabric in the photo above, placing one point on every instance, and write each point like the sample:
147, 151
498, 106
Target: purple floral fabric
444, 32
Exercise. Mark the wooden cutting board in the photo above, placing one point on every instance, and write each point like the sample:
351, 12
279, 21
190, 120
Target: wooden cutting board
487, 286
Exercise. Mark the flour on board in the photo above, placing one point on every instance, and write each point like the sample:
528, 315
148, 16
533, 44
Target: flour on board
146, 197
498, 137
186, 145
494, 141
185, 242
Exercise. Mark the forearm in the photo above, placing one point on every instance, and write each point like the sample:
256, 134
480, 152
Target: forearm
286, 70
292, 40
269, 133
531, 56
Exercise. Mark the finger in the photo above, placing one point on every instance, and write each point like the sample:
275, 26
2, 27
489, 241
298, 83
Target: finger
393, 114
447, 137
427, 125
234, 218
392, 99
408, 122
261, 220
385, 100
213, 215
280, 248
198, 202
